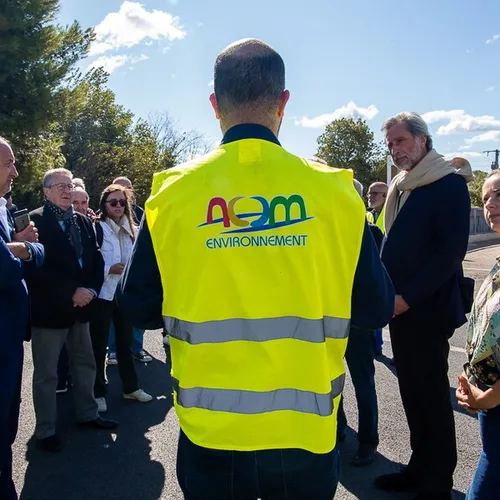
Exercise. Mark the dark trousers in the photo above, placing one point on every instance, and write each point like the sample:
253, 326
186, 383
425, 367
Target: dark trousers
486, 483
103, 313
205, 474
421, 356
360, 355
10, 399
63, 372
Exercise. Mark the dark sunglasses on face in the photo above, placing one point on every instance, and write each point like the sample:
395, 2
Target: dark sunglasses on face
115, 203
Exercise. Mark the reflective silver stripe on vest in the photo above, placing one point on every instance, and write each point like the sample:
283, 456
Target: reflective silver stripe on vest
251, 403
258, 330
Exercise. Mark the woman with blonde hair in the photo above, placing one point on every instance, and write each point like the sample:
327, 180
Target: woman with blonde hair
479, 387
115, 235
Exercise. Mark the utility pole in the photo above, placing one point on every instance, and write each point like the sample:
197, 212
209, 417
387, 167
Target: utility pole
494, 165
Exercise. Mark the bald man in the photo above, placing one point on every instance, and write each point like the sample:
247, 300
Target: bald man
377, 193
256, 381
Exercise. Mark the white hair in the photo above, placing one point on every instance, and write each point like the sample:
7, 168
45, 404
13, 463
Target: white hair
358, 187
47, 178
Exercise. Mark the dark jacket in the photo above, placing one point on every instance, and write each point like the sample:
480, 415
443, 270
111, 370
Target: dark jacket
14, 303
53, 285
140, 292
425, 248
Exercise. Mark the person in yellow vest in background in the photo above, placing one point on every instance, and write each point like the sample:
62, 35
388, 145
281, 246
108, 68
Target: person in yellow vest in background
377, 194
256, 261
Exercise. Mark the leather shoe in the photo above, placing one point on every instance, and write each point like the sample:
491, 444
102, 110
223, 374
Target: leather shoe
99, 423
365, 455
400, 481
52, 443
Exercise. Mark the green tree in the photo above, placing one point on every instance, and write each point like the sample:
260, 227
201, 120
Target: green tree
36, 58
349, 143
476, 188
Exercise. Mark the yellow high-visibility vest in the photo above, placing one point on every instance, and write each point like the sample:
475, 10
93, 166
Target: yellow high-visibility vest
257, 251
380, 219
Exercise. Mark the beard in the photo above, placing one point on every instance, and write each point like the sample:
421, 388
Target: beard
412, 158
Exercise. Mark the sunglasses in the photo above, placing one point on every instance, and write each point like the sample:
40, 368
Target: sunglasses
115, 203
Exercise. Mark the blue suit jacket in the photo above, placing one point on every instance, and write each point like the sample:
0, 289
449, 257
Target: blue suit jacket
14, 302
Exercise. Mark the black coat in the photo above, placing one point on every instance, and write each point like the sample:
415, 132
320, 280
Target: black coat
53, 285
425, 248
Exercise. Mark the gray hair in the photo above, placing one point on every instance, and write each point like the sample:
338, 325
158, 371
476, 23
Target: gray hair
414, 123
79, 183
79, 189
248, 73
358, 187
47, 178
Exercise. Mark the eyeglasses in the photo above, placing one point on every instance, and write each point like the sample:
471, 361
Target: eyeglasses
115, 203
61, 187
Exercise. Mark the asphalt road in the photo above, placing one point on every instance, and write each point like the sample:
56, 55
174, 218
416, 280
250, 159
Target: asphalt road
138, 461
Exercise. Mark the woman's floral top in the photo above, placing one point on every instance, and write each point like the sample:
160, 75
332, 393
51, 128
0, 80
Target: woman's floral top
483, 334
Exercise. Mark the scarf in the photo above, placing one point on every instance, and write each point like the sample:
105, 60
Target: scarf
72, 229
430, 169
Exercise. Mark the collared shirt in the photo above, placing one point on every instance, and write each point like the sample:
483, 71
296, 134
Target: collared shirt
4, 220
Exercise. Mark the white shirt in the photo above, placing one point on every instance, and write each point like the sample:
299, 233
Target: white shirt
4, 220
116, 248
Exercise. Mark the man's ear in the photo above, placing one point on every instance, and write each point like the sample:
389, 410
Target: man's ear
215, 105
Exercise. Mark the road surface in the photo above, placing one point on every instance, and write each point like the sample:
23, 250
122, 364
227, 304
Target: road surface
138, 461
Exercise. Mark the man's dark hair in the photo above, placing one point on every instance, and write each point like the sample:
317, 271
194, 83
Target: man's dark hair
248, 73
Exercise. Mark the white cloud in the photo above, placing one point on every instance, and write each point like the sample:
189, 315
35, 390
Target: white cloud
469, 155
461, 148
491, 88
131, 25
492, 135
112, 63
442, 115
350, 110
211, 83
493, 38
165, 49
469, 123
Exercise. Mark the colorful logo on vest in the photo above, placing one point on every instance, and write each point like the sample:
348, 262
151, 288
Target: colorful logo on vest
292, 210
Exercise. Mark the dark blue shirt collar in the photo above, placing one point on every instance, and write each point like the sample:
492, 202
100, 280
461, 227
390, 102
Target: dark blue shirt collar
249, 131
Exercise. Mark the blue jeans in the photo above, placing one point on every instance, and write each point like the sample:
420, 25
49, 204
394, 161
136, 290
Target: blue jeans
360, 355
486, 482
292, 474
137, 342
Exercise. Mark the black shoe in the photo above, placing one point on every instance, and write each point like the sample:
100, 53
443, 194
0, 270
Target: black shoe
52, 443
365, 455
99, 423
400, 481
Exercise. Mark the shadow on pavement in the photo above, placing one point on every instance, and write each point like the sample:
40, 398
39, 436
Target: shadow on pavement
102, 465
388, 362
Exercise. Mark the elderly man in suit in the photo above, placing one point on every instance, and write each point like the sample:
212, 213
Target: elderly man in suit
17, 250
62, 290
427, 229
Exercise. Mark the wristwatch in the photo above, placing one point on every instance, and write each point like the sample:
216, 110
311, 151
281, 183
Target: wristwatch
29, 249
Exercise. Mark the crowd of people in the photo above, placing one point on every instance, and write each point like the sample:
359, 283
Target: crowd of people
260, 327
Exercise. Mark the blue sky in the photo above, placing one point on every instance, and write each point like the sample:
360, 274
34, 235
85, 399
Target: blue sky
343, 58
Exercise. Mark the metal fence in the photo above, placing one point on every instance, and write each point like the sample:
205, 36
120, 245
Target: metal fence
477, 223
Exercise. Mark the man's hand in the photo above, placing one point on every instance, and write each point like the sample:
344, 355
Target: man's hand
116, 268
30, 234
19, 250
82, 297
400, 305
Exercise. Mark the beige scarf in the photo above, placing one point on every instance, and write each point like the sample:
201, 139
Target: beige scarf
431, 168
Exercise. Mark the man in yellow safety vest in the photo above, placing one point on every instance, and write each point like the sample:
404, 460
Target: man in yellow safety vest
256, 262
